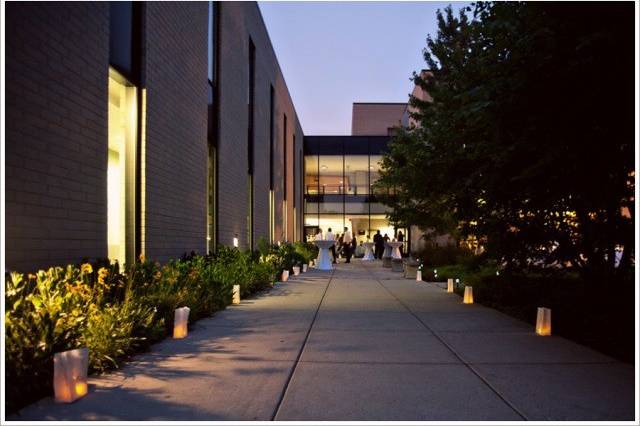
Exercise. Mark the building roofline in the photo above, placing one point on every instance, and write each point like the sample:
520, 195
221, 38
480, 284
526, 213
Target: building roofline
379, 103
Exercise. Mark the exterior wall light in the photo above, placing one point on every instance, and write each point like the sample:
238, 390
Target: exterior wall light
468, 295
543, 322
70, 371
180, 320
235, 241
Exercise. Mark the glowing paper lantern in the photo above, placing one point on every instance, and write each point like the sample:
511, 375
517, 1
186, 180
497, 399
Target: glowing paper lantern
543, 322
468, 295
70, 370
450, 285
296, 270
305, 267
236, 295
180, 321
419, 275
285, 275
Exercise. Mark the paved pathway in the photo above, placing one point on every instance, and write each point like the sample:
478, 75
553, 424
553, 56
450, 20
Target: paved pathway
359, 343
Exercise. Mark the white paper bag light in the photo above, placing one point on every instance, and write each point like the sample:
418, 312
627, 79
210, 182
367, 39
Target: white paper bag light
180, 321
468, 295
450, 285
296, 270
70, 370
543, 322
285, 275
236, 294
419, 275
305, 267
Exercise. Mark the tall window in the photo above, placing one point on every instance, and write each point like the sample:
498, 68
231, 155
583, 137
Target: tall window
284, 177
121, 169
125, 172
212, 183
250, 138
272, 208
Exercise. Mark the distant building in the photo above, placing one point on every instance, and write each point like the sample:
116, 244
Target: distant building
376, 118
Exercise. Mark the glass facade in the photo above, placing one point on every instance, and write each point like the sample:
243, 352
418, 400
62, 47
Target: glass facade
339, 174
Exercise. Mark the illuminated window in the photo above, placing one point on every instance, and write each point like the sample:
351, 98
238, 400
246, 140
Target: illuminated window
121, 169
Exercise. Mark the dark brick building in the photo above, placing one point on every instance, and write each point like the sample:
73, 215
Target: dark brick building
156, 128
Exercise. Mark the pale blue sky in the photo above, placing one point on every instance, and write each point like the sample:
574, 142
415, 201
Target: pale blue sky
333, 54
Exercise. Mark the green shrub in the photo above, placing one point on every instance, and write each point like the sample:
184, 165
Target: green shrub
115, 314
434, 256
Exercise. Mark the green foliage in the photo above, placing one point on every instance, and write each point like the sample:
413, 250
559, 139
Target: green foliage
513, 148
112, 314
307, 251
432, 255
284, 256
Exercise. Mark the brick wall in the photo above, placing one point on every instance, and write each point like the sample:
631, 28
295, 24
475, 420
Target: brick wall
175, 68
239, 21
56, 133
369, 119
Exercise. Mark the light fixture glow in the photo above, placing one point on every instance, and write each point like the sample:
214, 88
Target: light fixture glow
180, 321
468, 295
236, 295
543, 322
70, 370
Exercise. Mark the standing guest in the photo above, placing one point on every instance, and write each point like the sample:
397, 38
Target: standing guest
401, 239
346, 239
378, 241
318, 236
331, 237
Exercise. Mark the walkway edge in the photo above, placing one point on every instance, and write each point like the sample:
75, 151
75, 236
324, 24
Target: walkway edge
304, 343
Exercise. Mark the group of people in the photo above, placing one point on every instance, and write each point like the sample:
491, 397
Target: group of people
347, 245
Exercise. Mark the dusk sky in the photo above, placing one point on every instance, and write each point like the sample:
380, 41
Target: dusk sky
333, 54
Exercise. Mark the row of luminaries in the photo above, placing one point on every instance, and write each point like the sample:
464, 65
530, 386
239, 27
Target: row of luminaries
71, 368
410, 268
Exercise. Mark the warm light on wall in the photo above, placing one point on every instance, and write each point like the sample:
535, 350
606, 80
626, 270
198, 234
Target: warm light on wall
121, 167
450, 285
180, 322
70, 370
468, 295
236, 294
543, 322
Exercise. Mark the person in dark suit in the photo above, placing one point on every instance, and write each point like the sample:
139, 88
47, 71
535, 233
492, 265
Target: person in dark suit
378, 242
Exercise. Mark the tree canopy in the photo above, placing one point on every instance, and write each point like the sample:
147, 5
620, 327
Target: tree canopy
528, 141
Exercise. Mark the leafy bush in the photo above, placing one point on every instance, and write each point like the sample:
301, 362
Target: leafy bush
284, 256
307, 250
433, 255
115, 314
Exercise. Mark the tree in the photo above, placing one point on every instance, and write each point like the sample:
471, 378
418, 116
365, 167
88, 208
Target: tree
529, 138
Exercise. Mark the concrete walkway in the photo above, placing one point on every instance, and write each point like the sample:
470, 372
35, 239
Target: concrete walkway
359, 343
